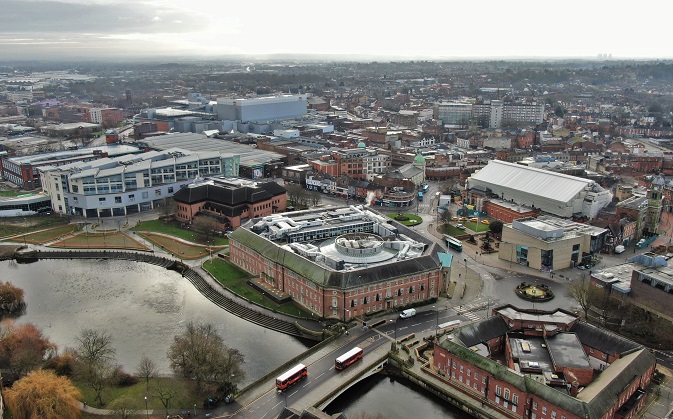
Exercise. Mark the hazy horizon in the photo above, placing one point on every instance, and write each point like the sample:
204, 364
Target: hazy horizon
63, 30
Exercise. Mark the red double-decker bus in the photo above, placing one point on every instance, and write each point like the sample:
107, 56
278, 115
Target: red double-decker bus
291, 376
348, 358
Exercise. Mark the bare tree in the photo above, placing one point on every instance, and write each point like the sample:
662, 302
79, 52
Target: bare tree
95, 356
584, 294
293, 193
315, 198
168, 208
200, 354
146, 369
207, 226
165, 391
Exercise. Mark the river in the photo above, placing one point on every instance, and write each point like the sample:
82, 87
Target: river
144, 306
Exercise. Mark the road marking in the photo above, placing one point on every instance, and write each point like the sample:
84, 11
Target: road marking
321, 374
417, 324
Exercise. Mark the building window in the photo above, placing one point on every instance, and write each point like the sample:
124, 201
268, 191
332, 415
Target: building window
534, 405
553, 414
118, 199
170, 189
544, 410
515, 399
157, 192
146, 195
498, 390
101, 200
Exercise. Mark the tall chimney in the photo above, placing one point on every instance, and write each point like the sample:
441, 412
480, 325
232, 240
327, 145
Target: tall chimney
574, 388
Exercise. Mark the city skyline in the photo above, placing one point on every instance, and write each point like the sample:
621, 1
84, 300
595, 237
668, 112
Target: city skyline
98, 29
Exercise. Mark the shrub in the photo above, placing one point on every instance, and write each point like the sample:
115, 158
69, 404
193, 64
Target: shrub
63, 364
11, 298
123, 379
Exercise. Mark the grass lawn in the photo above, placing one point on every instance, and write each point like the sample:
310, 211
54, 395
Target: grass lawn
185, 395
48, 235
180, 249
116, 240
451, 230
477, 227
235, 280
12, 193
411, 219
173, 228
12, 226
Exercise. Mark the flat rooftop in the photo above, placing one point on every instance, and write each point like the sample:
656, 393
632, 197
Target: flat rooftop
350, 237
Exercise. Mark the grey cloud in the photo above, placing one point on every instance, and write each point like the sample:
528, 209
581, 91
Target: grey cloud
22, 16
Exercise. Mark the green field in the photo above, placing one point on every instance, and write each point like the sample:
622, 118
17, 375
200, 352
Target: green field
173, 228
236, 280
406, 219
185, 395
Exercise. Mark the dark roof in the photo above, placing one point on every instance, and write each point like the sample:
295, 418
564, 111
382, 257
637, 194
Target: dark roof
229, 196
629, 368
603, 340
483, 331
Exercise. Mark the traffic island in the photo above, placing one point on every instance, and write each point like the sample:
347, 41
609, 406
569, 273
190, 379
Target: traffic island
534, 292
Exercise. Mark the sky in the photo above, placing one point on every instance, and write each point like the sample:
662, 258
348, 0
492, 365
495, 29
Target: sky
431, 29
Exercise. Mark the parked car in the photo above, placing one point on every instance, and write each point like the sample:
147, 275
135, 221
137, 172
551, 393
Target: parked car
454, 218
474, 220
485, 222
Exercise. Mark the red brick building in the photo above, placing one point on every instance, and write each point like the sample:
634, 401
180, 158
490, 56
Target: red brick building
314, 257
229, 201
544, 365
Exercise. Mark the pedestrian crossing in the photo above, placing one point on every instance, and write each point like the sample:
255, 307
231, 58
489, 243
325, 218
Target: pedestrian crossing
472, 316
473, 310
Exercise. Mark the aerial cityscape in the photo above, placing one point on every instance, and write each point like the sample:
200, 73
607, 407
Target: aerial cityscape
202, 217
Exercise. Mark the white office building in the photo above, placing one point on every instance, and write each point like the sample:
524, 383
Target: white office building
132, 183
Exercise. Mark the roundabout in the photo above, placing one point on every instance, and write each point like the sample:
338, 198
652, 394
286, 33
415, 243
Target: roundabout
534, 292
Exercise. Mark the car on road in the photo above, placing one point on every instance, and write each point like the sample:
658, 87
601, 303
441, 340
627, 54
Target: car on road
485, 222
454, 218
460, 226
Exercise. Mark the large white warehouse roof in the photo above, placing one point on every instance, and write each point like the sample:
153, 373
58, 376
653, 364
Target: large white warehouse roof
543, 183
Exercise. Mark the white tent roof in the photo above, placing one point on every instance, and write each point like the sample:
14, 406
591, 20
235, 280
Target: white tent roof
551, 185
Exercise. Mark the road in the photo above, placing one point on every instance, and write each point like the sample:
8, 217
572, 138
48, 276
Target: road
321, 372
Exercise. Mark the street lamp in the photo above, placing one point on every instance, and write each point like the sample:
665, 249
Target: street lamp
436, 320
465, 260
147, 411
195, 409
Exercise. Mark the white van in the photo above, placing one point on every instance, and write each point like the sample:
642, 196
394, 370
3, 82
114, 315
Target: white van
410, 312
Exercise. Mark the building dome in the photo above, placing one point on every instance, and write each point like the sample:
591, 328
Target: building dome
361, 144
419, 159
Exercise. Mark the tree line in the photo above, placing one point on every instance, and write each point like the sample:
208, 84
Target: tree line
40, 378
